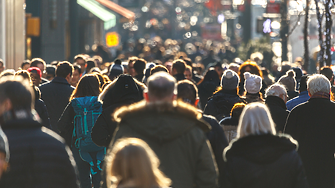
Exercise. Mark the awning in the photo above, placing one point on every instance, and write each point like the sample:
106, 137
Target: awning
118, 9
99, 11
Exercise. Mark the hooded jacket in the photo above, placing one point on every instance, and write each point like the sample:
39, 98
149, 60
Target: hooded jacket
221, 104
124, 91
263, 161
175, 133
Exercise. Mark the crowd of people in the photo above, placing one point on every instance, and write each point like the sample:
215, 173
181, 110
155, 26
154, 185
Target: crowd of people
140, 124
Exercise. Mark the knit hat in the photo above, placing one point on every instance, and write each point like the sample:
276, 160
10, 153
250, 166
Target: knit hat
4, 144
229, 80
288, 80
36, 70
253, 83
116, 69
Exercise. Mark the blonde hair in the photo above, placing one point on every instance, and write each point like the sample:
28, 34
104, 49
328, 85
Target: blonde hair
131, 159
255, 120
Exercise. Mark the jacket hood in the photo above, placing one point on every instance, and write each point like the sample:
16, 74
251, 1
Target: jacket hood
161, 122
261, 149
124, 90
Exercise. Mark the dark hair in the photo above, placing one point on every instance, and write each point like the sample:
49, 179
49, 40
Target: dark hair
179, 65
327, 72
237, 109
211, 76
131, 59
90, 64
188, 61
18, 91
187, 91
63, 69
139, 66
34, 62
79, 56
51, 69
77, 67
303, 83
25, 74
88, 85
158, 68
101, 78
25, 62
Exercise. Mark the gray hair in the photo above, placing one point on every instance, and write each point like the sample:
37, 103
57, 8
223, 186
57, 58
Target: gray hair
275, 90
318, 83
161, 85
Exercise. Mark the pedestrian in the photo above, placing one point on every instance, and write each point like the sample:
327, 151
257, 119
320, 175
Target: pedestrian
276, 98
125, 90
188, 93
207, 86
290, 84
56, 94
40, 63
39, 157
224, 99
4, 153
229, 124
258, 157
132, 163
253, 68
178, 69
174, 132
303, 94
312, 125
115, 70
139, 66
75, 127
252, 87
35, 75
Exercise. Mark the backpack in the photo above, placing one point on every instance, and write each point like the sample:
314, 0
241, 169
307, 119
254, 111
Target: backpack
87, 111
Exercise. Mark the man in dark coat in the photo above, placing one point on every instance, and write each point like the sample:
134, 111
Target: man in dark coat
56, 94
188, 93
178, 69
276, 97
173, 130
39, 157
312, 125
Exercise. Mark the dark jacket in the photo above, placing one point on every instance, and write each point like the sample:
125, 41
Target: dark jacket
206, 90
139, 77
221, 104
179, 77
312, 125
176, 134
41, 109
38, 157
56, 95
218, 141
292, 94
263, 161
124, 91
278, 111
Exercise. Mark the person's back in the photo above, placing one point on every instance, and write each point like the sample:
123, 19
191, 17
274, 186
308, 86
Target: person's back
173, 130
56, 93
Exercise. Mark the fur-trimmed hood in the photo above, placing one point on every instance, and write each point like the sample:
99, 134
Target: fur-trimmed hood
161, 121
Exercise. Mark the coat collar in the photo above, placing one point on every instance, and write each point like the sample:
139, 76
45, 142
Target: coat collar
276, 101
60, 80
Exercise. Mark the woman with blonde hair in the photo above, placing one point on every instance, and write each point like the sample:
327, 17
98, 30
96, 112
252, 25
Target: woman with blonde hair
132, 164
260, 158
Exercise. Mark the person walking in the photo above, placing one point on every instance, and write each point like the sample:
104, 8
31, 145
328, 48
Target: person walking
258, 158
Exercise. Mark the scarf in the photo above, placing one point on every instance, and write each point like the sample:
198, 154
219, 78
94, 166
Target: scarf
321, 95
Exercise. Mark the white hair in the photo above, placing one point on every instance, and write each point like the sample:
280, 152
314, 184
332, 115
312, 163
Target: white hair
275, 90
255, 120
318, 83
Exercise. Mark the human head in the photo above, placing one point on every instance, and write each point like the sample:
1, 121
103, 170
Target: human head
131, 61
76, 75
7, 72
288, 80
25, 64
36, 75
234, 67
131, 159
88, 85
178, 67
218, 68
64, 70
80, 60
277, 90
237, 109
249, 66
161, 87
25, 74
303, 83
229, 80
116, 69
90, 63
255, 120
253, 83
187, 92
211, 76
38, 62
158, 68
4, 153
318, 83
16, 94
139, 66
328, 72
188, 72
2, 66
51, 72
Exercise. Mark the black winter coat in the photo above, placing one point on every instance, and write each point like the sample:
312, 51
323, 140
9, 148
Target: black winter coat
38, 157
221, 104
312, 125
206, 90
179, 77
41, 109
263, 161
278, 111
56, 95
